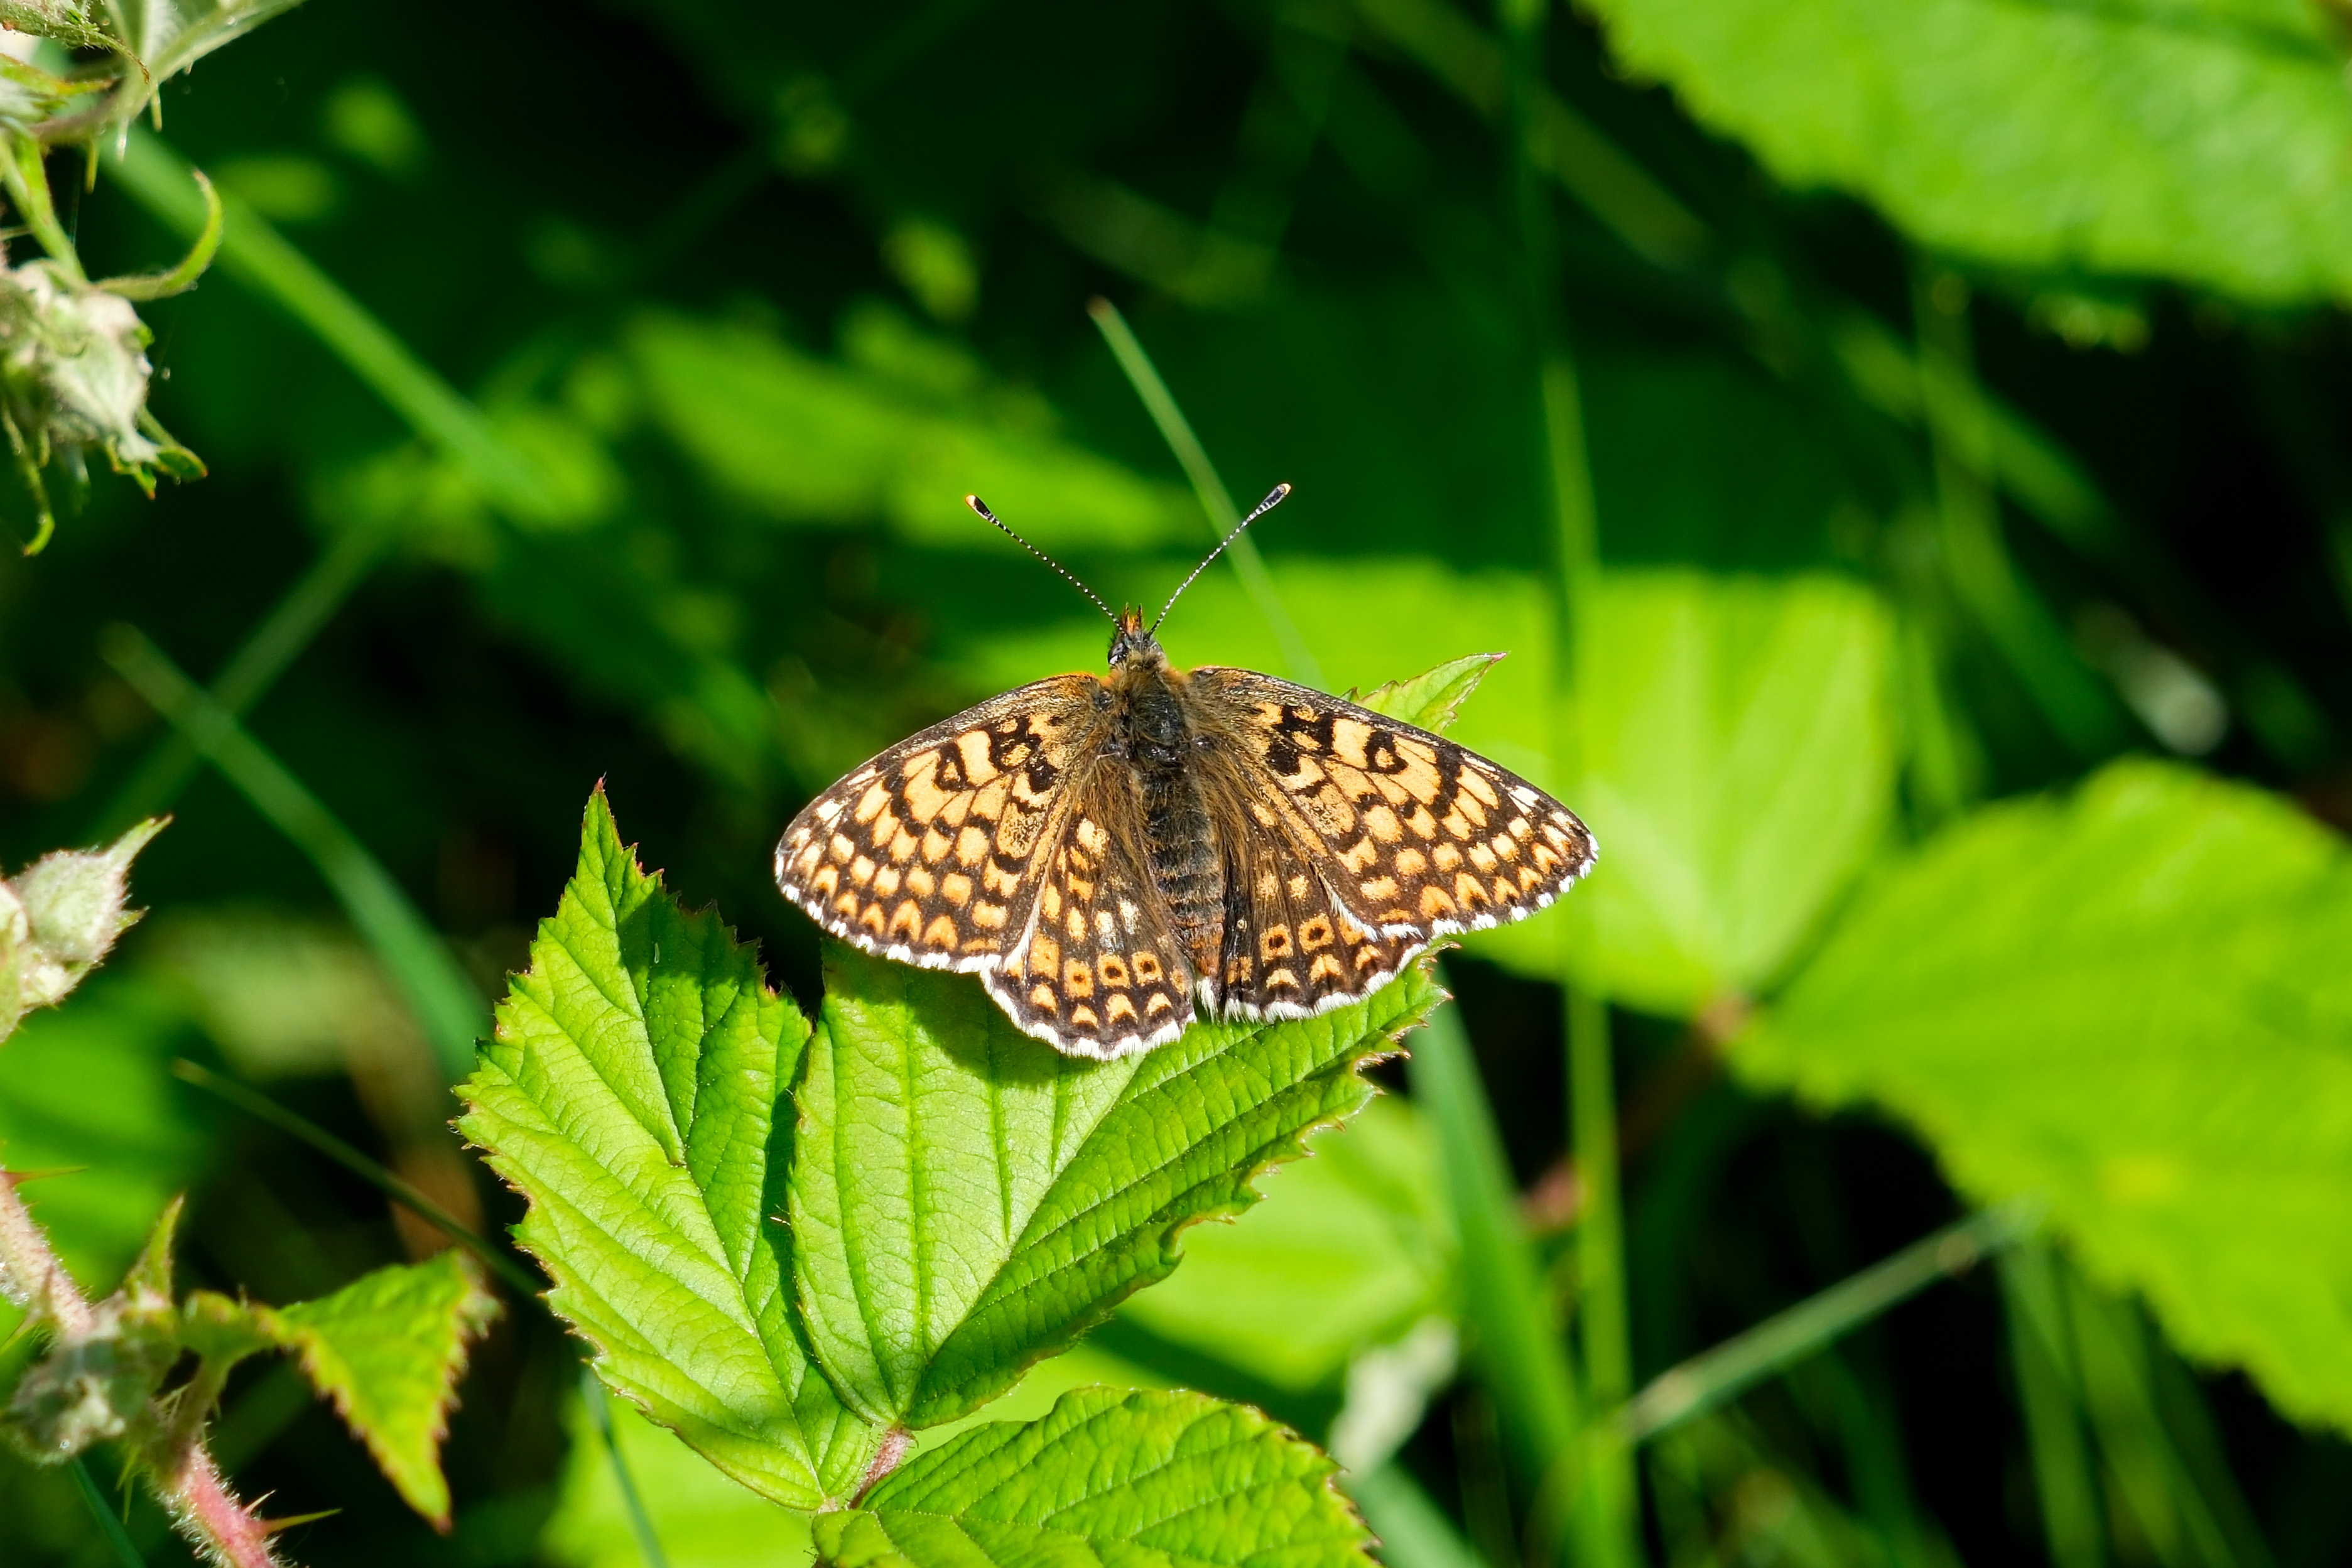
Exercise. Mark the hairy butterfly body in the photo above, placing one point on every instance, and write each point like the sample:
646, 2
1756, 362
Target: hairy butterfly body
1113, 856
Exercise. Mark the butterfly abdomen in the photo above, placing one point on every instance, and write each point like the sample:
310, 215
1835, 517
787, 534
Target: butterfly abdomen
1179, 839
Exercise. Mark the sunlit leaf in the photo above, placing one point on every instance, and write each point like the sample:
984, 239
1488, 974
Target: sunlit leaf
2131, 1000
804, 440
1345, 1251
388, 1349
967, 1199
630, 1094
1136, 1479
2202, 140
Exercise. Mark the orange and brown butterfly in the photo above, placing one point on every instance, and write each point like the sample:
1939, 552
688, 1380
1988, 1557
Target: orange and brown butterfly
1115, 856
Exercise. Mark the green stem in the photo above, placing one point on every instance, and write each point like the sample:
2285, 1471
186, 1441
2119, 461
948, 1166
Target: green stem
109, 1523
641, 1523
444, 1001
1975, 555
2041, 1348
160, 180
381, 1178
1515, 1344
27, 179
1214, 498
274, 645
1414, 1531
1707, 1380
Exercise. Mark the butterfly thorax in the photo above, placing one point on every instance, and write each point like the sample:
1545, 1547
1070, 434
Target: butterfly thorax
1150, 730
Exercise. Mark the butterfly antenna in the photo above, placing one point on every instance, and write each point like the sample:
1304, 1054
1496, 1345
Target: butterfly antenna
1273, 499
977, 505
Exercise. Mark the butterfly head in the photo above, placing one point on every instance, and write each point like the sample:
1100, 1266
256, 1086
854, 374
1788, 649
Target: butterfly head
1132, 645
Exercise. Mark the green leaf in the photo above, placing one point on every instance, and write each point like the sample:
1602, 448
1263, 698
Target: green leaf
1739, 767
2145, 1016
167, 36
630, 1095
2202, 140
803, 440
105, 1366
966, 1200
702, 1518
1138, 1480
1433, 697
388, 1349
1345, 1251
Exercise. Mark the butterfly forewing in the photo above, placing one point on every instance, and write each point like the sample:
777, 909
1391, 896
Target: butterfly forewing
1416, 836
926, 853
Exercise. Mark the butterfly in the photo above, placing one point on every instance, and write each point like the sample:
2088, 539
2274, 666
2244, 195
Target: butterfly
1116, 856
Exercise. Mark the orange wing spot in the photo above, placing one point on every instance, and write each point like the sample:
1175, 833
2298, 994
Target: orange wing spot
1507, 846
1078, 978
998, 880
1076, 925
1081, 888
1237, 973
1483, 857
842, 848
1281, 980
870, 804
1326, 966
956, 888
903, 845
1274, 943
884, 829
1423, 825
1043, 999
1264, 813
1298, 888
990, 802
1092, 836
921, 883
989, 916
1520, 830
1546, 861
1529, 879
1044, 954
1315, 934
1411, 862
1434, 903
1469, 892
1348, 739
1475, 784
846, 903
1381, 823
870, 918
885, 881
861, 870
1157, 1003
925, 798
1447, 857
1120, 1005
907, 917
1421, 777
1114, 969
1146, 969
1455, 823
1049, 902
983, 945
970, 847
826, 881
1359, 855
1084, 1018
1378, 887
936, 845
1504, 892
971, 745
941, 934
1368, 957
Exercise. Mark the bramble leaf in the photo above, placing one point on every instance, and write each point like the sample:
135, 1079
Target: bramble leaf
2146, 1017
1137, 1480
1738, 766
630, 1095
388, 1349
966, 1200
2201, 141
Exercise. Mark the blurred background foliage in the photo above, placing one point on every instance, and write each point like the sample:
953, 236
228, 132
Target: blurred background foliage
1960, 391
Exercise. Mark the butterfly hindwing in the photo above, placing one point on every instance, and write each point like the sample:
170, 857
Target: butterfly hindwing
1098, 971
925, 853
1291, 948
1417, 836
